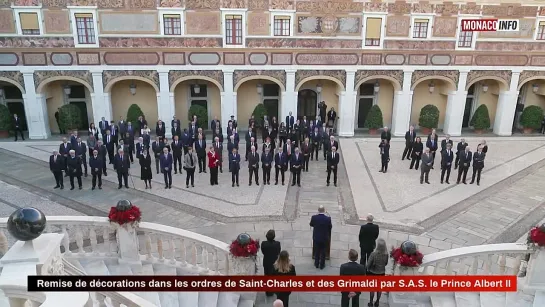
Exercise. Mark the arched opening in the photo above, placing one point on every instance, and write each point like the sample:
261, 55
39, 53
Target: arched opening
432, 91
124, 93
197, 92
531, 93
61, 92
483, 92
470, 106
326, 90
252, 92
307, 104
12, 97
378, 92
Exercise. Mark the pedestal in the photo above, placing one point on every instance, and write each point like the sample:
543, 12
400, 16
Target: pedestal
127, 241
327, 249
243, 265
535, 276
404, 270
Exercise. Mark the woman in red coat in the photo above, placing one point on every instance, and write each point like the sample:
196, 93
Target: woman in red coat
213, 164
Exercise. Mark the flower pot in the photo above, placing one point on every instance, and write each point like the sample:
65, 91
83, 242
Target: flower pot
528, 130
478, 131
4, 134
373, 131
425, 131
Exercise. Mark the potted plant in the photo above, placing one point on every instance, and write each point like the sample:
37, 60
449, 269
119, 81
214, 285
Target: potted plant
243, 252
374, 120
481, 119
70, 117
5, 121
531, 118
428, 119
133, 113
406, 258
201, 113
259, 114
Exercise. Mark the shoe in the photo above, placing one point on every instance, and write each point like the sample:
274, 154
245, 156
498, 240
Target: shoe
166, 187
457, 182
126, 187
249, 184
100, 188
293, 184
335, 184
56, 187
237, 185
441, 181
376, 304
465, 182
94, 188
194, 185
299, 185
204, 172
385, 172
187, 186
447, 182
119, 187
421, 182
478, 183
471, 182
71, 188
170, 187
380, 171
427, 182
80, 188
327, 184
175, 172
233, 185
370, 304
199, 172
62, 187
257, 183
282, 183
105, 174
276, 183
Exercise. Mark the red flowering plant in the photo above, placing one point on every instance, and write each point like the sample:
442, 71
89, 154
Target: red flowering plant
537, 235
244, 246
407, 255
124, 213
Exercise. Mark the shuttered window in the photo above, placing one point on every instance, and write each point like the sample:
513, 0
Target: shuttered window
373, 31
29, 23
281, 26
172, 24
233, 30
420, 28
541, 31
86, 28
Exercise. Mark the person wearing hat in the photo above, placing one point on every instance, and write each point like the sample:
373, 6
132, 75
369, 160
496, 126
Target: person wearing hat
233, 121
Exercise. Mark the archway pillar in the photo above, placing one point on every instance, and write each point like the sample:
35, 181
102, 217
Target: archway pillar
507, 104
288, 102
228, 101
35, 110
101, 102
165, 105
456, 104
347, 108
402, 106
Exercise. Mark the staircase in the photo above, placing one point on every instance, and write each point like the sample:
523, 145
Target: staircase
159, 299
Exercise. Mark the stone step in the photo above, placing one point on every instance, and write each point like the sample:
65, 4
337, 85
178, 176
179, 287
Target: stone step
119, 268
244, 303
467, 299
94, 267
188, 299
76, 263
152, 297
539, 299
228, 299
4, 301
168, 299
519, 299
445, 299
493, 299
208, 299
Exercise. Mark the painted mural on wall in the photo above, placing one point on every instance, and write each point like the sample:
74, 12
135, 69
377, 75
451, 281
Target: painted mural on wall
328, 25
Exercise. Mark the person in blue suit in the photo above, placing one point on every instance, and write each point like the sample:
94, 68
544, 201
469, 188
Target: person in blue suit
234, 166
280, 164
321, 233
166, 167
296, 165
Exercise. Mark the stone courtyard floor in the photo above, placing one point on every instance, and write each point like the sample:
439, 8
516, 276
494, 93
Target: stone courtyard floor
509, 200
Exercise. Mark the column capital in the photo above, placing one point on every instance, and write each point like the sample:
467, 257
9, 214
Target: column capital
351, 71
28, 73
464, 71
163, 71
291, 71
228, 71
408, 71
96, 72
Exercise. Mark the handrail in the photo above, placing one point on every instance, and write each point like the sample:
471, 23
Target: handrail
503, 248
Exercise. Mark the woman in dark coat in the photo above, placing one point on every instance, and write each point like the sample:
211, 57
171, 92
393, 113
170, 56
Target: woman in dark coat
270, 249
416, 155
145, 168
283, 267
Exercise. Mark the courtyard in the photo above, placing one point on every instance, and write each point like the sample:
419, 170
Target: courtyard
437, 217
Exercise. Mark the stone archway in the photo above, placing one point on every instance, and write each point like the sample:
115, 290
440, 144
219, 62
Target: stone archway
13, 85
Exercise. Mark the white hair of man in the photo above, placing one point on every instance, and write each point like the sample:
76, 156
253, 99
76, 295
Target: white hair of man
332, 138
321, 209
72, 151
370, 218
140, 139
278, 303
55, 152
385, 127
252, 148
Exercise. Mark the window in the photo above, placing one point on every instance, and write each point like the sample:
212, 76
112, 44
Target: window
541, 31
367, 89
29, 23
420, 28
281, 26
172, 24
465, 39
233, 30
271, 90
85, 29
77, 91
373, 31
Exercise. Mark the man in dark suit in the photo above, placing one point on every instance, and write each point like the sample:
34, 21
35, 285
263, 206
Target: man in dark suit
56, 165
186, 141
18, 127
233, 121
218, 149
444, 143
81, 152
305, 126
426, 165
64, 151
176, 146
447, 157
58, 120
478, 165
109, 141
431, 143
166, 167
102, 153
175, 121
465, 158
114, 132
253, 165
175, 130
121, 166
290, 121
200, 148
74, 139
296, 163
103, 125
95, 163
266, 163
410, 138
157, 148
280, 165
321, 233
249, 144
140, 148
160, 129
215, 124
386, 135
332, 163
460, 149
332, 143
316, 140
352, 268
122, 125
368, 236
384, 155
131, 130
234, 166
147, 139
73, 168
192, 130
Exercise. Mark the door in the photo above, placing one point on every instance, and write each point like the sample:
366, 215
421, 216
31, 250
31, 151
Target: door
307, 102
363, 110
467, 112
82, 106
204, 104
19, 109
271, 105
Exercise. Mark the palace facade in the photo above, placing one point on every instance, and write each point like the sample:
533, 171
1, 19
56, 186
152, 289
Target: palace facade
230, 55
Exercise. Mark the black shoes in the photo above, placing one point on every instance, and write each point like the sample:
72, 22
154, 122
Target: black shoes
57, 186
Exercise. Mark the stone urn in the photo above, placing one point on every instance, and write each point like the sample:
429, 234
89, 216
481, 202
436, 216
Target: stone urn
405, 270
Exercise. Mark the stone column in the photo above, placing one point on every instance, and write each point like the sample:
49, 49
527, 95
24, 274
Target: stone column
165, 106
98, 100
403, 101
228, 100
347, 106
505, 112
35, 110
109, 113
456, 105
288, 102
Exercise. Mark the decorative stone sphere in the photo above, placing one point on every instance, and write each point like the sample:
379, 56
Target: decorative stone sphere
123, 205
243, 238
26, 224
408, 248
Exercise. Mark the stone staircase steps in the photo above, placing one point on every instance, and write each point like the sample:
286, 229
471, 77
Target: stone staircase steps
168, 299
467, 299
152, 297
95, 267
519, 299
207, 299
118, 268
539, 299
4, 301
188, 299
441, 299
228, 299
492, 299
244, 303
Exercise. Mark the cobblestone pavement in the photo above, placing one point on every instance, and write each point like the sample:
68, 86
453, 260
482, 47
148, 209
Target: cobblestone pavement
499, 213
